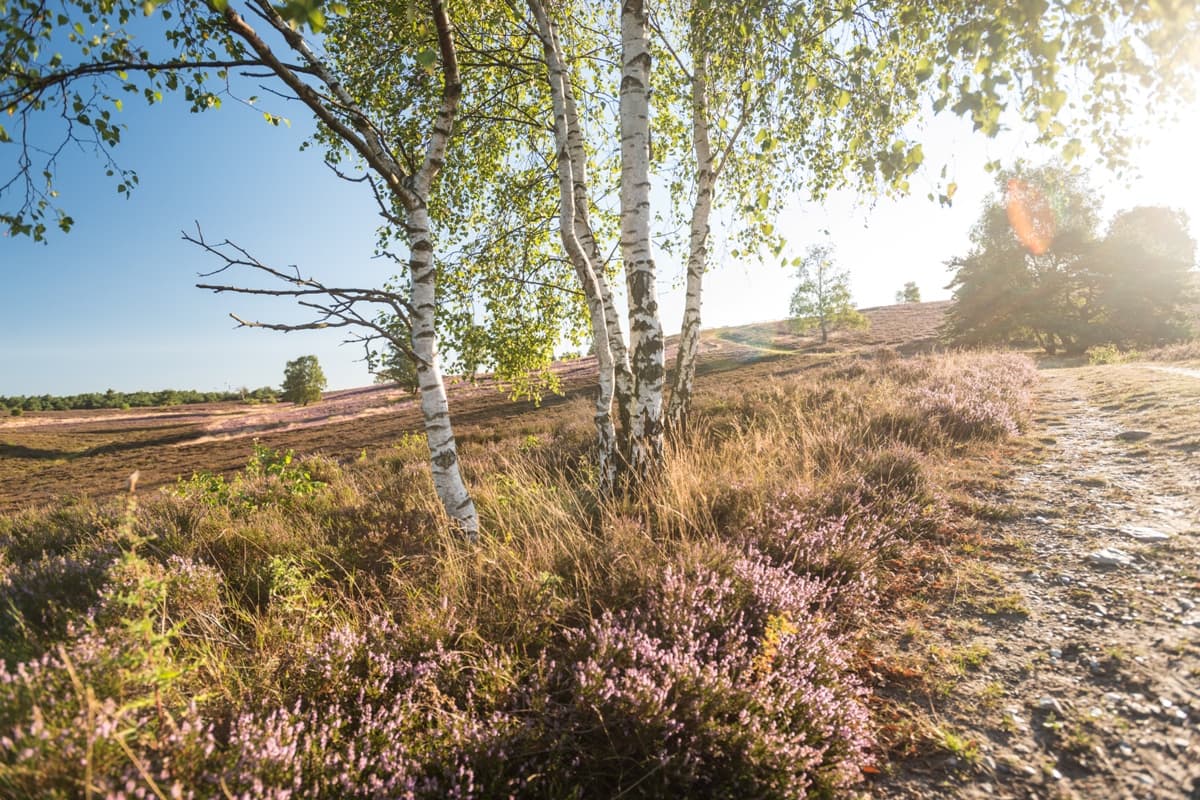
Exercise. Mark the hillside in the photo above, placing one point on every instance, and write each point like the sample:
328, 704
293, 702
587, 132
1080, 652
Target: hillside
46, 455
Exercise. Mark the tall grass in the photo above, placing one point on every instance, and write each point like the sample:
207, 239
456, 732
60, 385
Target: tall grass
310, 629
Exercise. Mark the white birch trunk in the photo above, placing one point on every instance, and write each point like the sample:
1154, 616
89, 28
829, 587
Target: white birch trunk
435, 405
622, 375
689, 335
413, 195
573, 220
645, 328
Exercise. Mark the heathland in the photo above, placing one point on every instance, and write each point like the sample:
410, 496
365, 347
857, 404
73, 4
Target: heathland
869, 569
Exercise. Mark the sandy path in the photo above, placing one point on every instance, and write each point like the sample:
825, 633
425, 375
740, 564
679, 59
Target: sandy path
1094, 692
1190, 373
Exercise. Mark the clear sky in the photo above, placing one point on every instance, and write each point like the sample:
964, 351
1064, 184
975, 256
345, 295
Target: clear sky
112, 304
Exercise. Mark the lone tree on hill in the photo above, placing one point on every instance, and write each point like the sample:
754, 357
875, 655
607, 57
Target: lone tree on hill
822, 300
911, 293
303, 381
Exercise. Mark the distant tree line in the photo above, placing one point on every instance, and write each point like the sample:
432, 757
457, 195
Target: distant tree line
1040, 270
113, 399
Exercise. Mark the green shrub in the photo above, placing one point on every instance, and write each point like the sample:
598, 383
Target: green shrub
1105, 354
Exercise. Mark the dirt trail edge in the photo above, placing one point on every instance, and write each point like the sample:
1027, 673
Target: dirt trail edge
1088, 685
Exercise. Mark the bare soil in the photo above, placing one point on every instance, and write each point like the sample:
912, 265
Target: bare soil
1052, 673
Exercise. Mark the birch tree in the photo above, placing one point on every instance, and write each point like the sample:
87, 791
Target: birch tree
787, 98
207, 40
645, 325
580, 243
822, 298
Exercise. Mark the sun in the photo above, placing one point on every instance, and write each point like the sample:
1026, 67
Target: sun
1167, 166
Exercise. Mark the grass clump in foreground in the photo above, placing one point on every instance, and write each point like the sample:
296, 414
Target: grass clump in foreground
310, 630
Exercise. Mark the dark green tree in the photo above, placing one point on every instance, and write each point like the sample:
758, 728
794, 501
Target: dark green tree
1026, 275
822, 300
1040, 271
303, 381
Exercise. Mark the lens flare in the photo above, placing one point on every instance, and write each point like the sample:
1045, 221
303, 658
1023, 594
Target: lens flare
1031, 217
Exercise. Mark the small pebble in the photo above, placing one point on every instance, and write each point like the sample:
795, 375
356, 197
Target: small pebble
1048, 703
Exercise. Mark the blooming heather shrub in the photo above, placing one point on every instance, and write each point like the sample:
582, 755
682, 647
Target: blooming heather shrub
719, 685
983, 397
722, 684
385, 727
43, 594
845, 547
1184, 351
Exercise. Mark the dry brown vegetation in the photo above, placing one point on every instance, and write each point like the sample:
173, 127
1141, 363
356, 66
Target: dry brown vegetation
308, 623
49, 455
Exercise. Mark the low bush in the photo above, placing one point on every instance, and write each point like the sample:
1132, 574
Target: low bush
1105, 354
1185, 351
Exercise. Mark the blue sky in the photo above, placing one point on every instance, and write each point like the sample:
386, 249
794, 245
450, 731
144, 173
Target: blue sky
112, 304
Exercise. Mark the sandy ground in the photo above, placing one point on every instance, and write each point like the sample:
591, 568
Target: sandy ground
1091, 687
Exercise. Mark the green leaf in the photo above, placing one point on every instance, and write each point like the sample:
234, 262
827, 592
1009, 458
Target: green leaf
426, 59
924, 69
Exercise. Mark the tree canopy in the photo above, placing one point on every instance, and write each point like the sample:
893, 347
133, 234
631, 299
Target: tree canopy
909, 293
1040, 269
303, 381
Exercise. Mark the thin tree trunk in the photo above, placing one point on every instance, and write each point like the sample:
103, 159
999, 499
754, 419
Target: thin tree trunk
689, 335
623, 376
435, 406
645, 328
412, 193
573, 220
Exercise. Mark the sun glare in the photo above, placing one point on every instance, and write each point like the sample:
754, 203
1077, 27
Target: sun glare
1030, 216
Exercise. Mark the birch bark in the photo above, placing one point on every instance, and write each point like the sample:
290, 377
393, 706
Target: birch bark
577, 237
689, 335
435, 405
412, 193
623, 376
645, 328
